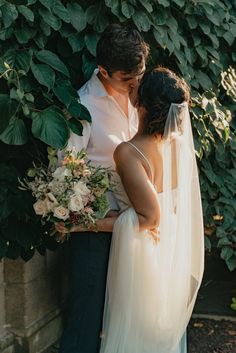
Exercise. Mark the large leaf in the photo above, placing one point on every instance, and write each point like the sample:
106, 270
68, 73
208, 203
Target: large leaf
127, 9
63, 94
203, 79
48, 3
51, 127
8, 108
78, 110
15, 133
18, 59
76, 126
26, 12
23, 35
50, 19
91, 40
61, 11
9, 14
76, 41
77, 16
43, 74
52, 59
89, 64
142, 21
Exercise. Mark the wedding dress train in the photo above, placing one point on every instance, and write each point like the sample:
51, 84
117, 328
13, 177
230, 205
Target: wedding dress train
152, 287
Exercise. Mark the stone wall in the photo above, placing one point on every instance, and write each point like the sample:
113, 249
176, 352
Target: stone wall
31, 297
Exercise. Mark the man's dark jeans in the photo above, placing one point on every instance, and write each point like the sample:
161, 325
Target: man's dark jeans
88, 254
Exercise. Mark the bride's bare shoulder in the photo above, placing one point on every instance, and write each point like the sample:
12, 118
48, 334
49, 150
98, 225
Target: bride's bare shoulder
121, 151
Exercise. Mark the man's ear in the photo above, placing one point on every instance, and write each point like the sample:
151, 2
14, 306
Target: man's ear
103, 72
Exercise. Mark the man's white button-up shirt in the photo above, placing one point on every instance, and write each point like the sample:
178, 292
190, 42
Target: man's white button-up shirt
110, 126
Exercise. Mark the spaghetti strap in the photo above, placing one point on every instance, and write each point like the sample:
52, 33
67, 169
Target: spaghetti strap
145, 158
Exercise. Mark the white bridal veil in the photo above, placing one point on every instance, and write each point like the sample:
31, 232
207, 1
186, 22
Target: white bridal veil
152, 288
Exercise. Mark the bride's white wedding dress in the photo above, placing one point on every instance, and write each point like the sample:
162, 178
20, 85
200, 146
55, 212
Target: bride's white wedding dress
151, 287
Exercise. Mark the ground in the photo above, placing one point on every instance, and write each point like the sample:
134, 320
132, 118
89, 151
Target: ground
216, 332
211, 336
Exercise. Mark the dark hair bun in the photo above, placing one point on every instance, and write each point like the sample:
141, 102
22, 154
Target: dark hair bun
158, 89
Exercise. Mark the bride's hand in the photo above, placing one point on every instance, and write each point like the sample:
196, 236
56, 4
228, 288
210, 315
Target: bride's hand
154, 233
61, 228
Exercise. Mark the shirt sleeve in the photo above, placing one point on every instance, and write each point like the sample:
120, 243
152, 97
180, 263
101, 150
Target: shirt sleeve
75, 141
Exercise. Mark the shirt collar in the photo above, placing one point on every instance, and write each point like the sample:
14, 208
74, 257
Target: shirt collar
96, 87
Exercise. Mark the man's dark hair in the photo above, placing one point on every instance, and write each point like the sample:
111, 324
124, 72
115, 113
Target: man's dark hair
121, 49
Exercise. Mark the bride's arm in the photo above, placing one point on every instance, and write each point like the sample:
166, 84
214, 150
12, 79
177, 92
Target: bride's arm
102, 225
138, 187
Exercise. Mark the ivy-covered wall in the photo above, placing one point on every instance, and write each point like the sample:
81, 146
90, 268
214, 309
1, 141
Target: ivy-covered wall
47, 51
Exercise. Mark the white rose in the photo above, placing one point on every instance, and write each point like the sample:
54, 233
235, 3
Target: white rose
61, 172
81, 189
61, 213
40, 207
51, 201
76, 203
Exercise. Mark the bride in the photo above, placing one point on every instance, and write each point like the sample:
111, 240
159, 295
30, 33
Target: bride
157, 252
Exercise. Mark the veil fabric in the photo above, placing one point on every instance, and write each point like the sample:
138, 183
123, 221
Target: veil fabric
152, 288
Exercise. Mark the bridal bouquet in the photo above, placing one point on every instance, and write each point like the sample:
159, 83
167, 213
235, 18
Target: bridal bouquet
73, 193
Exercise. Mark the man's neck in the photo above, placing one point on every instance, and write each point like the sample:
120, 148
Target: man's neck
121, 99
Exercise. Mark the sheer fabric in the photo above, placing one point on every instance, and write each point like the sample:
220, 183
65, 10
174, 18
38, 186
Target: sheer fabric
152, 288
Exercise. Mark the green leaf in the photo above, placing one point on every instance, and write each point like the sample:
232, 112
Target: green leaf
8, 108
76, 126
91, 40
26, 12
52, 59
180, 3
141, 21
202, 52
77, 16
228, 36
127, 9
78, 110
77, 42
50, 19
40, 40
63, 94
147, 5
61, 11
89, 65
18, 59
214, 39
51, 127
29, 97
9, 14
226, 252
203, 79
46, 29
196, 39
215, 18
6, 33
160, 18
23, 35
43, 74
15, 133
47, 3
164, 3
92, 13
206, 28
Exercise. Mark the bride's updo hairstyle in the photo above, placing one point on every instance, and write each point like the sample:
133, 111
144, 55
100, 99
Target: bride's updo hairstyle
158, 89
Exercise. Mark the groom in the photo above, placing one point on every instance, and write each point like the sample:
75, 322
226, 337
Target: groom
121, 56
